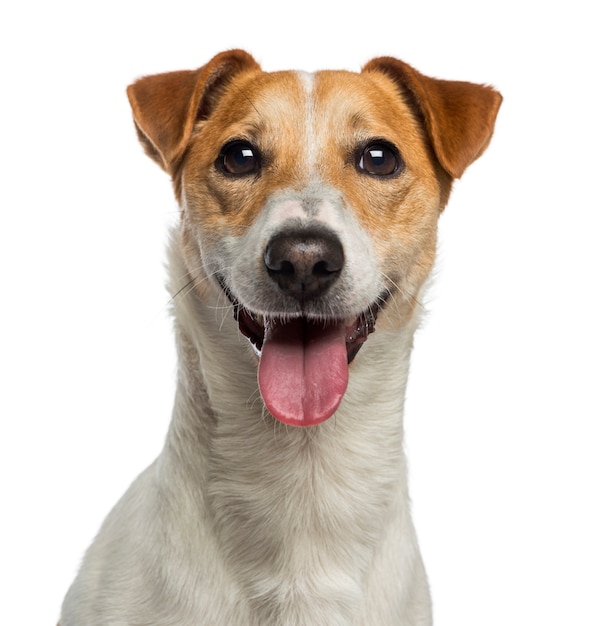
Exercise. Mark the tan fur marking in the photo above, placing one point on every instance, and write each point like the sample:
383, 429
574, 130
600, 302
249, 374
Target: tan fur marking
244, 519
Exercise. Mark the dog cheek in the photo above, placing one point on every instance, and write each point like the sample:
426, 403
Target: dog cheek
407, 252
196, 268
403, 224
230, 207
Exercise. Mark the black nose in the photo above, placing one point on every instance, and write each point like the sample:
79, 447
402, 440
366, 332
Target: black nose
304, 264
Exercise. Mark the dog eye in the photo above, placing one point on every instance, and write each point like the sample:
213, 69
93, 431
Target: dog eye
238, 158
379, 159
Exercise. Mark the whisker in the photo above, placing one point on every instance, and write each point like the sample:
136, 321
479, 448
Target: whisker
225, 310
248, 99
189, 286
408, 297
253, 399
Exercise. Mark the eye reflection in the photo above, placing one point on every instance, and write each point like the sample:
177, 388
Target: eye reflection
379, 159
238, 158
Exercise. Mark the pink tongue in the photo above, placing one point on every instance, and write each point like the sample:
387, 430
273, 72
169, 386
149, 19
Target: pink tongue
303, 370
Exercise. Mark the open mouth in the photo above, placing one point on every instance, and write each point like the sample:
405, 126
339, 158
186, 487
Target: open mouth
356, 331
303, 369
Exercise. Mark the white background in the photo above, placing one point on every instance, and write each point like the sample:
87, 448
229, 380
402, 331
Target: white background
504, 412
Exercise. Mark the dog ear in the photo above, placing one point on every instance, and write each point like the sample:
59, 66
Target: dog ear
459, 116
166, 106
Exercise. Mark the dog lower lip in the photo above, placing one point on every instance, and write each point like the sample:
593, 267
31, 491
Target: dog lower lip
356, 331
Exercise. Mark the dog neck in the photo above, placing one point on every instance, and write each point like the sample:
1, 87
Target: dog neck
296, 508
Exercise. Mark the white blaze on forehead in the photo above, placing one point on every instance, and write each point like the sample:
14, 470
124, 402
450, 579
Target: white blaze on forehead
307, 82
308, 203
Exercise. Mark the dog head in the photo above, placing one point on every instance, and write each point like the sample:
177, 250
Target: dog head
311, 201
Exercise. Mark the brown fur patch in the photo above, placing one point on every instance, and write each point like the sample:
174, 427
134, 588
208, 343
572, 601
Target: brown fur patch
185, 118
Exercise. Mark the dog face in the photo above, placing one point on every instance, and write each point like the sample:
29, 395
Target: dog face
311, 201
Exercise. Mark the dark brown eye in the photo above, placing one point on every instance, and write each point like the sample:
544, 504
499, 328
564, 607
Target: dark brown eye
379, 159
238, 158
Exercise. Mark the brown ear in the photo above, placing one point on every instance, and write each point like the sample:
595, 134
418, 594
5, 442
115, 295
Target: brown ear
166, 106
459, 116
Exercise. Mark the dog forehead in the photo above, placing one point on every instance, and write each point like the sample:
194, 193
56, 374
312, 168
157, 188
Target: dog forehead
331, 99
264, 98
367, 103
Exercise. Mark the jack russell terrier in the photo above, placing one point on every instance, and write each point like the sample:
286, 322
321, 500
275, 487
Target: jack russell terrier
308, 214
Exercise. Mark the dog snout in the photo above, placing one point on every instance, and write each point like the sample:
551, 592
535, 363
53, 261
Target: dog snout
304, 265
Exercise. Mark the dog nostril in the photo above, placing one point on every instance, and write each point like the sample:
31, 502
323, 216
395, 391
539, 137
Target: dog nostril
286, 268
322, 269
304, 265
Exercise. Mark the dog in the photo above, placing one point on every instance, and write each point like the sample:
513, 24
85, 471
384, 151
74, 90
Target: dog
309, 206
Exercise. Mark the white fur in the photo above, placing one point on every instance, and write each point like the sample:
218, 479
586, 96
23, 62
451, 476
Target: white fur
245, 522
360, 283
